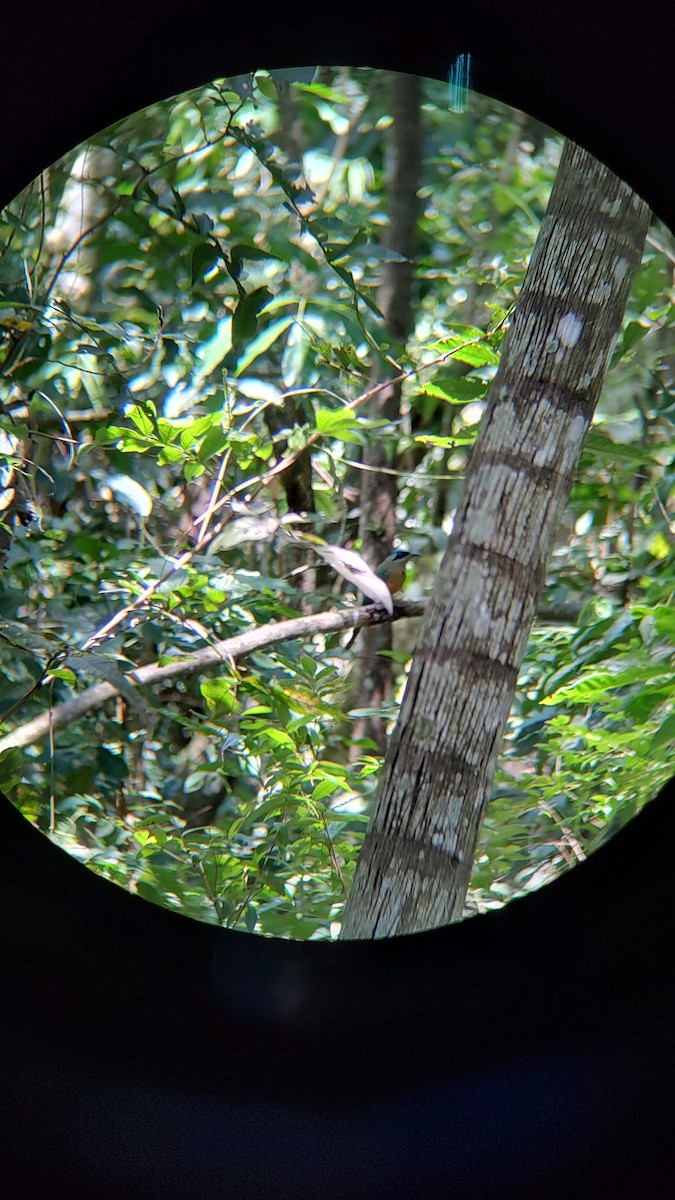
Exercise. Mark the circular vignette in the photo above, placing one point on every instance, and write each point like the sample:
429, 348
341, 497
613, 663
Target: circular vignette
149, 178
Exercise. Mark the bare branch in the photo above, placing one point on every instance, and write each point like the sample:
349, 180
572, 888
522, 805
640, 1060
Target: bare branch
222, 652
253, 486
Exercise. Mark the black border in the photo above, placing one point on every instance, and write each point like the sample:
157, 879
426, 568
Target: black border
526, 1054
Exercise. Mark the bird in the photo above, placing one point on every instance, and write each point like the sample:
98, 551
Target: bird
379, 585
349, 565
355, 569
392, 573
393, 569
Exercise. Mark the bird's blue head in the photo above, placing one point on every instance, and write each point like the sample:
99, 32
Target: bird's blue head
392, 570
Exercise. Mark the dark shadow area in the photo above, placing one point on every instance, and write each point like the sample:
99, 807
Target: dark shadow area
528, 1053
600, 74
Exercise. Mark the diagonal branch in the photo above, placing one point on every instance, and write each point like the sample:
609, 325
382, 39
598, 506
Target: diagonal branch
254, 486
225, 651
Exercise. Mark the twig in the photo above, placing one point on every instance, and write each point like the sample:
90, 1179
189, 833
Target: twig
568, 837
205, 520
259, 481
255, 485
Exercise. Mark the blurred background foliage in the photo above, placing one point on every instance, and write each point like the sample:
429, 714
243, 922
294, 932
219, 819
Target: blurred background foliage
184, 301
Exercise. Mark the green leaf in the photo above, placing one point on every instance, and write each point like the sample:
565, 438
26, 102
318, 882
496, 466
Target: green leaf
65, 674
204, 257
456, 391
460, 347
193, 470
641, 706
327, 787
202, 222
212, 352
665, 734
141, 419
246, 250
295, 354
261, 343
279, 737
664, 621
196, 429
445, 443
12, 219
266, 85
588, 690
336, 422
477, 354
651, 281
245, 317
109, 434
599, 442
168, 431
219, 694
170, 454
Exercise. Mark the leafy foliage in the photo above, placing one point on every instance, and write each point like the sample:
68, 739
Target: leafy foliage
189, 309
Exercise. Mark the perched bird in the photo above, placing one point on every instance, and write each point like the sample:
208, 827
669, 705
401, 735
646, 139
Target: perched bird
379, 585
355, 569
392, 573
393, 569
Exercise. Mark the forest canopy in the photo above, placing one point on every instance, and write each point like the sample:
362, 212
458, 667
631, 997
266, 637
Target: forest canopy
191, 326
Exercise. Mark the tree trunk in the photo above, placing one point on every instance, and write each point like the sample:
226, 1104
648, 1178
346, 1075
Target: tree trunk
379, 490
415, 865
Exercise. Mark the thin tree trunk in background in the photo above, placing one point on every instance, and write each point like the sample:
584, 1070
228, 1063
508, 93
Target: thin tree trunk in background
416, 862
84, 203
377, 523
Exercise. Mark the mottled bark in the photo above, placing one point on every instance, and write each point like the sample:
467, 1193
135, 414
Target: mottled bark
416, 862
377, 524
